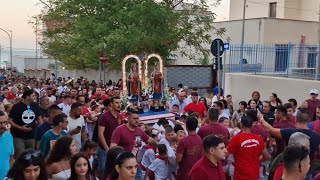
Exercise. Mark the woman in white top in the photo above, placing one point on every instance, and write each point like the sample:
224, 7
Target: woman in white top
237, 115
80, 168
58, 162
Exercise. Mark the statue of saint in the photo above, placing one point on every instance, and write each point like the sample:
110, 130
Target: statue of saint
134, 83
156, 77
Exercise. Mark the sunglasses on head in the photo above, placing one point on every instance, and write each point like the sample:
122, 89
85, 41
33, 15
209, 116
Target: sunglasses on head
29, 156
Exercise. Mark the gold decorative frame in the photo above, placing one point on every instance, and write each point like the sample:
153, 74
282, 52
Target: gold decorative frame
146, 66
124, 74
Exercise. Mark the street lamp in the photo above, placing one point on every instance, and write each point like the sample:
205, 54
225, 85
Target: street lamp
242, 33
10, 37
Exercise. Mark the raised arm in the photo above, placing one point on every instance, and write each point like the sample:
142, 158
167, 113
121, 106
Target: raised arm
274, 132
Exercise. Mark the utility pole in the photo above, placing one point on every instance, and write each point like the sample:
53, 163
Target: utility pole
36, 47
0, 54
11, 51
219, 71
10, 38
56, 67
318, 57
243, 28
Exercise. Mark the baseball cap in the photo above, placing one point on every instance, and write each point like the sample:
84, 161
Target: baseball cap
313, 91
11, 96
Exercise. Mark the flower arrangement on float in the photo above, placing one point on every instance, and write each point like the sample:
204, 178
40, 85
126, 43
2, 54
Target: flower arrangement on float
124, 100
166, 99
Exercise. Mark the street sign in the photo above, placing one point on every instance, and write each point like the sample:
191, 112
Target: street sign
226, 46
217, 47
102, 58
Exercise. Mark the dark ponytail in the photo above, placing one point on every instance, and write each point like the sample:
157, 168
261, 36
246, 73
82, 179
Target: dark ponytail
279, 102
121, 158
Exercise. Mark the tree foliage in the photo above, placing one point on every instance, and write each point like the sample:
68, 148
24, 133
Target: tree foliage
81, 29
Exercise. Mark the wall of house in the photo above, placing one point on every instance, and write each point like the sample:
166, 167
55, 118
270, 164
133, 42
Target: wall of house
255, 9
310, 10
91, 74
277, 31
270, 31
305, 10
291, 9
240, 86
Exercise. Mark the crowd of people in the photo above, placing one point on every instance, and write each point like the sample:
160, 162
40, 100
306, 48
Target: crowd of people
74, 129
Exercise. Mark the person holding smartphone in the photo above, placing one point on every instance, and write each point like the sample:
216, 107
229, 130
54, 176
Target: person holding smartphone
24, 118
76, 124
129, 136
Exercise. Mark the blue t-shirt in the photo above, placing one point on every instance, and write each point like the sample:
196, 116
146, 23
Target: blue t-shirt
47, 140
314, 138
6, 150
43, 128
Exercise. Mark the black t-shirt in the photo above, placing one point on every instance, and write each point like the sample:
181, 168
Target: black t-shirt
21, 115
44, 112
269, 117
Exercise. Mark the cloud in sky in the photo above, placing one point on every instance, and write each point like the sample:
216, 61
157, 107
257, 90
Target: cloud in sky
15, 15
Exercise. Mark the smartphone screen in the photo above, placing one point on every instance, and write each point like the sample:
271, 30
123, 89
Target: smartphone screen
138, 140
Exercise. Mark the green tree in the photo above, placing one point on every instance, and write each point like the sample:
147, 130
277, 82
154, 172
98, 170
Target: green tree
78, 30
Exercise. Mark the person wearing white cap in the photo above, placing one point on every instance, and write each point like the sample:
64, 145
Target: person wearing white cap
313, 102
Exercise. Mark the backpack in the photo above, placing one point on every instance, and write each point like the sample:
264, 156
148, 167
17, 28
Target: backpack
95, 136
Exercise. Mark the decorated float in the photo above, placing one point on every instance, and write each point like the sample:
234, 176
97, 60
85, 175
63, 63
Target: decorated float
145, 91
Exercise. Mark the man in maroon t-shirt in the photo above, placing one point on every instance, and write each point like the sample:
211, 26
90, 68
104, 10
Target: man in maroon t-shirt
107, 123
316, 124
195, 106
209, 166
290, 117
214, 127
280, 115
313, 103
129, 135
189, 149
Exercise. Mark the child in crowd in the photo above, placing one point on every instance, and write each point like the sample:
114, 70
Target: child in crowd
169, 133
175, 110
229, 168
180, 134
158, 128
160, 165
95, 110
89, 149
156, 106
182, 119
178, 127
226, 123
142, 127
204, 122
149, 155
173, 143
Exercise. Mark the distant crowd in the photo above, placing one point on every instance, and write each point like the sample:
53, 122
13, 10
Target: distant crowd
64, 128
